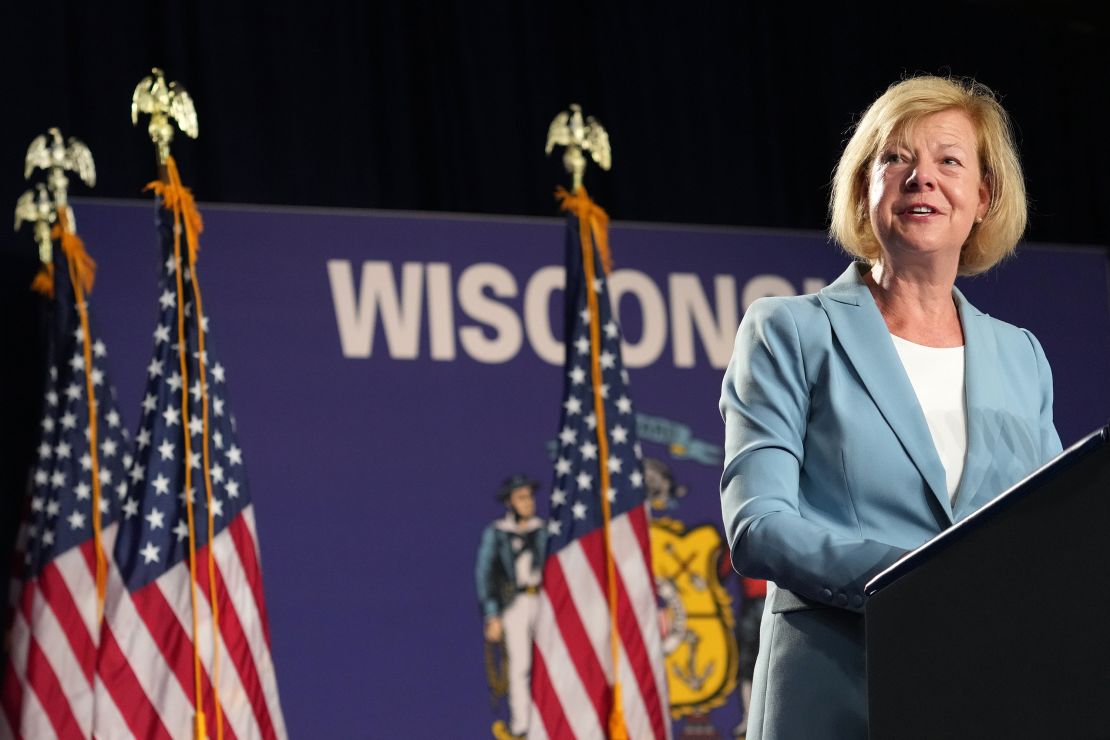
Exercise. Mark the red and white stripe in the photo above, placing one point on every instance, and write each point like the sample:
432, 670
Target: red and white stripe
48, 681
145, 674
572, 662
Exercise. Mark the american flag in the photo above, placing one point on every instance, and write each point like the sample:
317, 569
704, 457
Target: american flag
54, 615
573, 656
157, 646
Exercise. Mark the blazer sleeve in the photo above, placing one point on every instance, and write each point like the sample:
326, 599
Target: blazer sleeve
765, 403
1050, 439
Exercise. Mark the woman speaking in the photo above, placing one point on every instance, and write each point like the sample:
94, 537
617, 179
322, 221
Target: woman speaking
865, 419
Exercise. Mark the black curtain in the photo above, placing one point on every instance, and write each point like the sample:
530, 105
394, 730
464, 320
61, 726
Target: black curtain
722, 113
719, 113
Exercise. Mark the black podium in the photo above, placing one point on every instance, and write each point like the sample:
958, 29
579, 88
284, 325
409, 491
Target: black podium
1000, 626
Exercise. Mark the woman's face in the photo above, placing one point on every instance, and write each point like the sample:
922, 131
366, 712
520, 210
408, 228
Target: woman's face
926, 189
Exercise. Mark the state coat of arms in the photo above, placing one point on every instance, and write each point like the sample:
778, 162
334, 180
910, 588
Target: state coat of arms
699, 642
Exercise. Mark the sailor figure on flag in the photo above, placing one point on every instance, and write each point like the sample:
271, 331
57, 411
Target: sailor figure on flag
508, 572
597, 666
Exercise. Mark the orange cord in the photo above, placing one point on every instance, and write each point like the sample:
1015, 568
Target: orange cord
82, 271
180, 200
192, 225
592, 221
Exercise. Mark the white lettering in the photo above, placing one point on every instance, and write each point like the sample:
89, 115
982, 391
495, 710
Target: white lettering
441, 311
690, 309
377, 295
652, 311
508, 335
537, 312
495, 328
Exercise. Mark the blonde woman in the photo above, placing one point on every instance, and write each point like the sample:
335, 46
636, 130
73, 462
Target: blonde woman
863, 420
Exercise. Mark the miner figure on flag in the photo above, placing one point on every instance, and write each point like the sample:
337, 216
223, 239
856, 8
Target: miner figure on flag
60, 566
597, 666
185, 651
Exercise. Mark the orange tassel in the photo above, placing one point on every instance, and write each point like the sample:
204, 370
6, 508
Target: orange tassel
587, 211
176, 197
82, 265
44, 281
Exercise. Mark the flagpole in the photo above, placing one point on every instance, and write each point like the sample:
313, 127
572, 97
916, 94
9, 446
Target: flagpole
199, 729
50, 152
185, 212
79, 462
617, 730
579, 135
163, 102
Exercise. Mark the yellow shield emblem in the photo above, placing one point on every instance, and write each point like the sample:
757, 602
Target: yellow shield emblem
699, 642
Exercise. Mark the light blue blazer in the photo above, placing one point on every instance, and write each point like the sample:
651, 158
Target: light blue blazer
831, 475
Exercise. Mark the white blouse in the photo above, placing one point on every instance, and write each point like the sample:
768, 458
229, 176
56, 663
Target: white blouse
937, 376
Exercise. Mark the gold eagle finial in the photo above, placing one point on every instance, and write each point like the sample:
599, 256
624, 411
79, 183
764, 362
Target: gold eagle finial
52, 153
41, 212
579, 135
163, 102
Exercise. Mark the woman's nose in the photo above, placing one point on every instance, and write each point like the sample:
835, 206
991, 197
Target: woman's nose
921, 177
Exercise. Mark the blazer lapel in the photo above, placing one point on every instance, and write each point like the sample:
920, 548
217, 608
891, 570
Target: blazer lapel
981, 394
861, 331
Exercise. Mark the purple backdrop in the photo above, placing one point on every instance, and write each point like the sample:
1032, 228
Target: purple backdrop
373, 476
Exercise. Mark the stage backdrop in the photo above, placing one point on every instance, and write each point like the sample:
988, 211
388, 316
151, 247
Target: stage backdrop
388, 370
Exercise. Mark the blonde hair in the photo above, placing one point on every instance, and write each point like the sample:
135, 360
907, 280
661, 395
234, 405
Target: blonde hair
899, 109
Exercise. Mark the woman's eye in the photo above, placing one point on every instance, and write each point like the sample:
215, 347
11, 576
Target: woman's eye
891, 158
951, 161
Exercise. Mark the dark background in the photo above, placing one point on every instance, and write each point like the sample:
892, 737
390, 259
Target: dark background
720, 113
